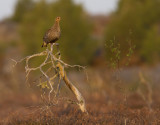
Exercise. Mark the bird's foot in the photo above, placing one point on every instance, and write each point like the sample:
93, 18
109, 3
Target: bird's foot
59, 53
57, 44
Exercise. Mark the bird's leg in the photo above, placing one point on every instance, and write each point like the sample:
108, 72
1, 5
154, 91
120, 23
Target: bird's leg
57, 44
59, 53
52, 44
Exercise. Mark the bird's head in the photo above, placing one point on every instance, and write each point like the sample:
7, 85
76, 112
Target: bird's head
58, 19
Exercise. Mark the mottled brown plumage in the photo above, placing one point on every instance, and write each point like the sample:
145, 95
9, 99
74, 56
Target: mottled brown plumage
53, 34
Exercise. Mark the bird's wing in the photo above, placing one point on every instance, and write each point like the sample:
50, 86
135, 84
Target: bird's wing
46, 35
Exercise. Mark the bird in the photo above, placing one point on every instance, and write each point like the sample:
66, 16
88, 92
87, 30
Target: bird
53, 34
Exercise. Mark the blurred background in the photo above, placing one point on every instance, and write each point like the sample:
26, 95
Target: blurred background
100, 34
86, 28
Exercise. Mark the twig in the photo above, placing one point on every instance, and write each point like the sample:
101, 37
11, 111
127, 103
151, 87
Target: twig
148, 94
58, 65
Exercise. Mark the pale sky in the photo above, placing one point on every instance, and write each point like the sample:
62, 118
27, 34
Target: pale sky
99, 6
92, 6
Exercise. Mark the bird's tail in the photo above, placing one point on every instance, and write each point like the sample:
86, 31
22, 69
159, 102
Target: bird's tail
44, 44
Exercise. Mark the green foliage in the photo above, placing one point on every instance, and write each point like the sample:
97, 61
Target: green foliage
76, 45
134, 17
130, 53
43, 85
114, 53
22, 7
33, 27
151, 47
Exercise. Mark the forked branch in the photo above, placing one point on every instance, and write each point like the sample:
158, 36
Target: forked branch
81, 101
58, 65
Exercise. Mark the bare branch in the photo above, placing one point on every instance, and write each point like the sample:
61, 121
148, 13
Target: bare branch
58, 65
81, 101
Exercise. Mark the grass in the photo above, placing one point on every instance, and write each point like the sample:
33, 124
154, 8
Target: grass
105, 101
